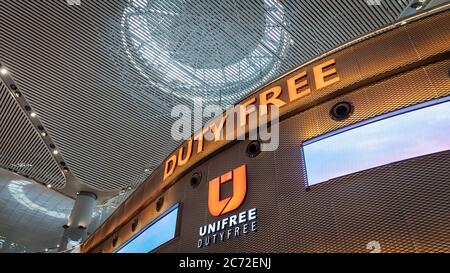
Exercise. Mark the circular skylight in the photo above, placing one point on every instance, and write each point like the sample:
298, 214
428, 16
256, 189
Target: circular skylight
226, 49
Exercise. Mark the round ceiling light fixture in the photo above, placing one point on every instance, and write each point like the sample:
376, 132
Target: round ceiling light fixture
221, 54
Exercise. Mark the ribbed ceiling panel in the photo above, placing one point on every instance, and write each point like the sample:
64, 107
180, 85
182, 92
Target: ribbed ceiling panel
104, 75
21, 148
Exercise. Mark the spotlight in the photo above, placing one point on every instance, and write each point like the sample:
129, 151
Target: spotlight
341, 111
55, 152
49, 186
3, 71
33, 114
44, 134
195, 179
253, 148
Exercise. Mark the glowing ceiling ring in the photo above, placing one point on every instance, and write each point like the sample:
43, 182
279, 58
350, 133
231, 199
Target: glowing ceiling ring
15, 188
136, 35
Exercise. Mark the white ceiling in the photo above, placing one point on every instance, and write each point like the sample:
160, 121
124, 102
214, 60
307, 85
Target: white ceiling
31, 216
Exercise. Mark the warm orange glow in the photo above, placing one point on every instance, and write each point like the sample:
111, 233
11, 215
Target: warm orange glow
200, 139
218, 207
245, 111
265, 100
294, 86
218, 129
183, 160
320, 74
169, 168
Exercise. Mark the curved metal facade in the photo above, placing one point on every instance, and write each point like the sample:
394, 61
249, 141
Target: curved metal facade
403, 205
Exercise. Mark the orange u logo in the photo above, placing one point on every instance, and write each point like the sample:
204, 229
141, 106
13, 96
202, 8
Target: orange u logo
218, 207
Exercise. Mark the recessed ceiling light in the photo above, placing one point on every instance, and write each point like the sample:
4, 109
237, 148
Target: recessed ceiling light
3, 71
55, 152
49, 186
33, 114
44, 134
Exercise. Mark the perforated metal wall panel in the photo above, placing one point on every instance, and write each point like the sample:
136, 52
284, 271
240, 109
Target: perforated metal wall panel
404, 205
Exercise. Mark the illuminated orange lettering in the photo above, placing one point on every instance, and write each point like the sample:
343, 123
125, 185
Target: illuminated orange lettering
264, 99
183, 160
217, 129
320, 74
298, 86
244, 111
294, 86
200, 139
169, 168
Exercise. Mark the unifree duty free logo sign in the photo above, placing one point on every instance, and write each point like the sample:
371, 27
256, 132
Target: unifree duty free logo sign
219, 206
